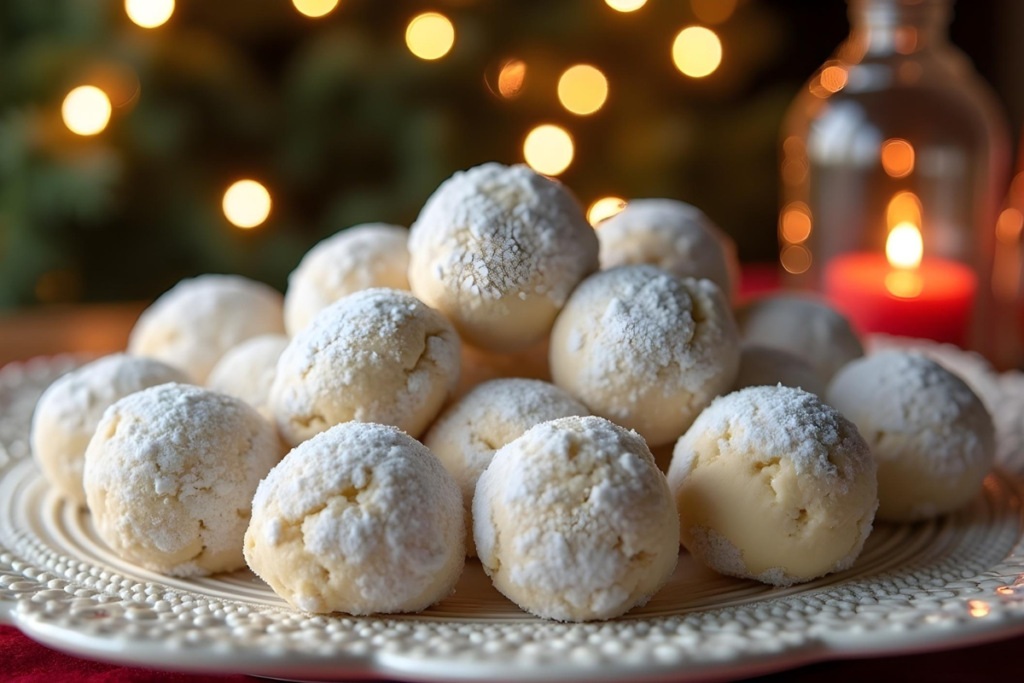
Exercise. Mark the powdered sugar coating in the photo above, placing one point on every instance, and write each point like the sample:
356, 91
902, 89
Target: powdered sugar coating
672, 235
762, 366
466, 435
379, 355
170, 475
774, 485
361, 257
932, 437
67, 413
247, 371
804, 326
198, 320
573, 521
645, 349
497, 249
359, 519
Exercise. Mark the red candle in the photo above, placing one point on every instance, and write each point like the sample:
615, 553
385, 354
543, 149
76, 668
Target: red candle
932, 299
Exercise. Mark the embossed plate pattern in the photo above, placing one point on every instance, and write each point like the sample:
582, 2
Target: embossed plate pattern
955, 581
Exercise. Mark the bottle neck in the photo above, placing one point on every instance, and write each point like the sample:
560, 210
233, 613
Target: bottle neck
900, 26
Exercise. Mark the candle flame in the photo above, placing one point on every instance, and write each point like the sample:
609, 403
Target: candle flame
904, 247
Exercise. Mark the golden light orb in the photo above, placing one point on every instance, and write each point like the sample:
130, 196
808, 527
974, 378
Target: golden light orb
430, 35
796, 259
834, 78
904, 247
512, 78
795, 223
149, 13
1009, 225
604, 208
897, 157
625, 5
548, 149
582, 89
697, 51
246, 204
86, 110
315, 8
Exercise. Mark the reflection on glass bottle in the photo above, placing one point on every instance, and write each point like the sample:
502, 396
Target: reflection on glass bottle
894, 160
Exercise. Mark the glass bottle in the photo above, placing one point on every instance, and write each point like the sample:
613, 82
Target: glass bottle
894, 162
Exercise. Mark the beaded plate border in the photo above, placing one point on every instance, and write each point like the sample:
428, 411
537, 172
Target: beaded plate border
956, 581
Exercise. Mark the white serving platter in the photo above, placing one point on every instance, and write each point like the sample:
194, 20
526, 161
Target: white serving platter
952, 582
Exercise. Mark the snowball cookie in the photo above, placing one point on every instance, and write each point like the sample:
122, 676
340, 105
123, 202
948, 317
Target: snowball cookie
645, 349
198, 320
671, 235
573, 521
170, 475
379, 355
774, 485
361, 257
68, 412
359, 519
803, 325
497, 249
247, 371
930, 434
468, 433
762, 366
480, 366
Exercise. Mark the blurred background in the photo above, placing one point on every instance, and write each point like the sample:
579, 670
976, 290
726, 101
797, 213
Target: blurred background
125, 127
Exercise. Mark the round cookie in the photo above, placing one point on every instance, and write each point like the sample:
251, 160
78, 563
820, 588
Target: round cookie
247, 371
803, 326
359, 519
645, 349
198, 320
493, 414
774, 485
498, 249
361, 257
170, 475
380, 355
762, 366
930, 434
573, 521
672, 235
69, 410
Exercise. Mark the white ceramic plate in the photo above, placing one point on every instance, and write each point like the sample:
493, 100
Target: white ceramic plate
956, 581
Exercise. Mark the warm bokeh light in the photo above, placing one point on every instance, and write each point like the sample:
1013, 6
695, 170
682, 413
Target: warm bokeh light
697, 51
86, 110
246, 204
511, 78
430, 35
1009, 225
795, 222
904, 207
834, 78
604, 208
548, 149
979, 608
582, 89
897, 157
315, 8
713, 11
149, 13
904, 247
796, 259
625, 5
